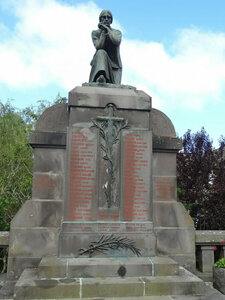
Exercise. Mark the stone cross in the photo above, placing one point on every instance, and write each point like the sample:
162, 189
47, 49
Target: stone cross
110, 127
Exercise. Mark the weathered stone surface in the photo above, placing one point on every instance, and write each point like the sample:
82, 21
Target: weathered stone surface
206, 259
112, 287
164, 188
100, 97
33, 242
38, 213
47, 185
178, 243
54, 267
71, 242
109, 85
161, 125
31, 287
34, 229
28, 245
163, 143
54, 118
6, 288
187, 284
48, 139
175, 241
136, 118
164, 164
107, 199
210, 236
49, 173
171, 214
215, 295
219, 279
16, 265
49, 160
173, 225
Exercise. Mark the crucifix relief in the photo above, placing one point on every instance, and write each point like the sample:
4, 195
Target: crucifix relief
109, 129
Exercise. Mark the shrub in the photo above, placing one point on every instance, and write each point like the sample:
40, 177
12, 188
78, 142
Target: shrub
220, 263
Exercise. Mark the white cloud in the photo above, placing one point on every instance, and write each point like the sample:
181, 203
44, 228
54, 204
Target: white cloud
51, 44
192, 76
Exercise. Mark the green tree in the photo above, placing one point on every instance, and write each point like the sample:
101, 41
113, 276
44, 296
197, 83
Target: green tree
15, 163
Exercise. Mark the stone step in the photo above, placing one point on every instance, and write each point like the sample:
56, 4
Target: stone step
29, 286
172, 297
54, 267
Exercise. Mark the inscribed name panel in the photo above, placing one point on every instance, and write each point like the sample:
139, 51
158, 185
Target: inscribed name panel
136, 153
81, 186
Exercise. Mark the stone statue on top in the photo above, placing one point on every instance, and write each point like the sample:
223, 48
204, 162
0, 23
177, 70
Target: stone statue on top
106, 63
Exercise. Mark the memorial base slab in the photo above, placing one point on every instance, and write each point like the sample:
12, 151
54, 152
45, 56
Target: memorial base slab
83, 278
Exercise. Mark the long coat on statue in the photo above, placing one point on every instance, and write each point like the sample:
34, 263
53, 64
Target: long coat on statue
107, 59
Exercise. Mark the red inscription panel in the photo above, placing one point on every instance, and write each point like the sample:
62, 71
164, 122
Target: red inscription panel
165, 188
82, 175
136, 153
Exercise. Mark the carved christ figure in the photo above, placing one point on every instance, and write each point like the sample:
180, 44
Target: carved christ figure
106, 63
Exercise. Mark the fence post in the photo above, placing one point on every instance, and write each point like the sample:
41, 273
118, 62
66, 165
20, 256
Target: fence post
206, 259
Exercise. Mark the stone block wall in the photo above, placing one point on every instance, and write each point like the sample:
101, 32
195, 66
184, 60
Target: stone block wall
173, 226
35, 228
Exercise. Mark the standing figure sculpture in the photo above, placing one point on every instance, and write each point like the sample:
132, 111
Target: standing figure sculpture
106, 63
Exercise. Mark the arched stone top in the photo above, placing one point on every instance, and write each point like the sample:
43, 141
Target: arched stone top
160, 124
54, 118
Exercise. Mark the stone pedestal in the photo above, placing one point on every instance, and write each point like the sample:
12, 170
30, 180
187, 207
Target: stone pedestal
173, 225
206, 260
105, 164
35, 228
72, 178
109, 170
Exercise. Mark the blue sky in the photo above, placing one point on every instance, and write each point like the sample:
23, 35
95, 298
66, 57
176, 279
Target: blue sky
174, 50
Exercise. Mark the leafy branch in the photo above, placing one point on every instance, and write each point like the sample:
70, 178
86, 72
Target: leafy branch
105, 243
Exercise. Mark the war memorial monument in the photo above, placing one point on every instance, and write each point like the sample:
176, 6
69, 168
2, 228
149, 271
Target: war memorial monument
104, 221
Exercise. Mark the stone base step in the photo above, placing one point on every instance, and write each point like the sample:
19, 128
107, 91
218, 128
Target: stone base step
54, 267
173, 297
29, 286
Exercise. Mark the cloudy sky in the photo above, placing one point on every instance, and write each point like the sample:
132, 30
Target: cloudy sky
172, 49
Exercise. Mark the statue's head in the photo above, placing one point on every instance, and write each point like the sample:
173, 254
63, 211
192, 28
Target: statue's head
106, 17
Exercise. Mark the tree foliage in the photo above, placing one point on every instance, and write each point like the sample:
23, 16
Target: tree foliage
201, 180
15, 163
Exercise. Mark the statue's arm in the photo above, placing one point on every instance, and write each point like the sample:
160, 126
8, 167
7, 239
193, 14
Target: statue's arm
98, 41
115, 36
